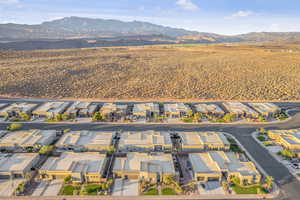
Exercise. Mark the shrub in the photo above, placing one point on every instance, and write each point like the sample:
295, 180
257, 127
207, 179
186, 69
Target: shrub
46, 150
25, 116
168, 191
67, 179
151, 191
14, 127
261, 138
229, 117
287, 153
97, 117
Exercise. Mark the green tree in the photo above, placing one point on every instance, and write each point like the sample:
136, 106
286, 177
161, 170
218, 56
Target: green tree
111, 149
262, 119
65, 117
67, 180
287, 153
262, 131
66, 131
58, 118
168, 179
46, 150
24, 116
229, 117
197, 117
235, 180
190, 113
14, 127
269, 181
225, 185
97, 117
21, 187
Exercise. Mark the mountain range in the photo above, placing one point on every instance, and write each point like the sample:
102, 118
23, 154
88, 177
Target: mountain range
77, 32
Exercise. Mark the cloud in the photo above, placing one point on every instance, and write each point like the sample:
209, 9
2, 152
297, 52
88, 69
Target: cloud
242, 13
8, 2
187, 4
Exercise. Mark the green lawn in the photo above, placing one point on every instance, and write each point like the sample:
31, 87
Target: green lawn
92, 189
187, 120
235, 148
168, 191
261, 138
69, 189
247, 190
151, 191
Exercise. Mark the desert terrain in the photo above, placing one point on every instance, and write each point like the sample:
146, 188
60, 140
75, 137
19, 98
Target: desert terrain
216, 71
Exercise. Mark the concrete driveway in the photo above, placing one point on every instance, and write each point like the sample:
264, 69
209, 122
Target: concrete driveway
126, 188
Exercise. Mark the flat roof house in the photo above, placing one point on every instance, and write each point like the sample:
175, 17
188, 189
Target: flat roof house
24, 139
240, 109
152, 167
51, 109
145, 109
82, 167
215, 165
199, 141
15, 109
86, 140
145, 141
176, 110
112, 110
82, 109
289, 139
209, 109
17, 165
266, 109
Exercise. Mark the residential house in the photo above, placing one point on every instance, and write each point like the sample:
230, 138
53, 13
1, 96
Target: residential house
146, 110
176, 110
27, 139
17, 165
113, 111
209, 110
218, 165
153, 167
289, 139
86, 141
266, 109
241, 110
16, 109
51, 109
82, 109
87, 167
200, 141
145, 141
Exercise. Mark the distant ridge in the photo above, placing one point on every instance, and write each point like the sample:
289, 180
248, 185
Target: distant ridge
77, 32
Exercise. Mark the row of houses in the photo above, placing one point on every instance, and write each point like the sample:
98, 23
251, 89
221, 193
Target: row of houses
90, 166
149, 156
289, 139
138, 110
130, 141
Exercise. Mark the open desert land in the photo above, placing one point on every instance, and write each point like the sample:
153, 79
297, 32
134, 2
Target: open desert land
220, 71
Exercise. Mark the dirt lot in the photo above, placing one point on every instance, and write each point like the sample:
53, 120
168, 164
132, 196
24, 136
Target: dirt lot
241, 72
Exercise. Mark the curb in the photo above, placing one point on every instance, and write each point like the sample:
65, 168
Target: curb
276, 189
275, 157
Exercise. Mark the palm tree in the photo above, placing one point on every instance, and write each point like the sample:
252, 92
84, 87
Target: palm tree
269, 182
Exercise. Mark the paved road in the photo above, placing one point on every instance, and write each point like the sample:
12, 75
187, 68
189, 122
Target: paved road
289, 185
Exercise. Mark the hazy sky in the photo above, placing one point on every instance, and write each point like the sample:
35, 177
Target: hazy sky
218, 16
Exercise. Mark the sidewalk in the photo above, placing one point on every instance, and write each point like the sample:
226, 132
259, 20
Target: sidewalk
276, 189
254, 134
